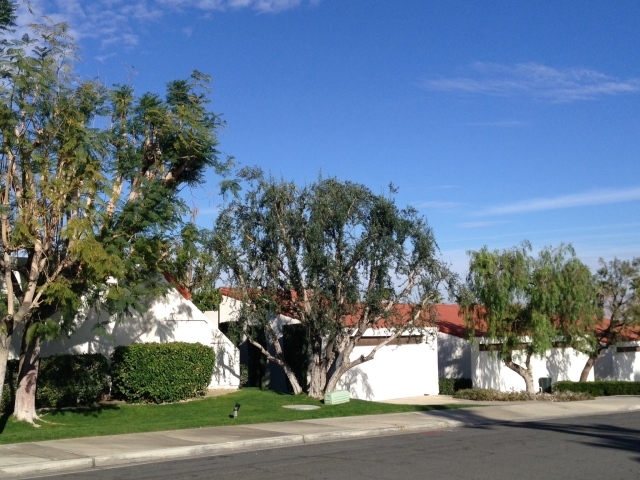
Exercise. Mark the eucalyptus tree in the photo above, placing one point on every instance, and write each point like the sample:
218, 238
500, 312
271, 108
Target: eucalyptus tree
90, 180
528, 304
335, 256
618, 284
193, 264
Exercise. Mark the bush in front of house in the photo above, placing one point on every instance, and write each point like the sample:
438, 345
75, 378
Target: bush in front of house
448, 386
63, 381
72, 380
161, 372
488, 395
599, 388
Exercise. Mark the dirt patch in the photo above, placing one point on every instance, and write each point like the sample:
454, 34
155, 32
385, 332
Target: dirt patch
217, 392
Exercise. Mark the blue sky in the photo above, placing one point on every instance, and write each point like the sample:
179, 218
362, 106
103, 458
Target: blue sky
500, 121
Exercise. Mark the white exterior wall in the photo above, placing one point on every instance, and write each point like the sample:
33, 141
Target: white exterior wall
226, 372
171, 318
454, 356
228, 309
626, 365
603, 368
396, 371
488, 371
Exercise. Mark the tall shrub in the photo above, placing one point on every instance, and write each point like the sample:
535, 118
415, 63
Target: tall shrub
64, 381
161, 372
71, 380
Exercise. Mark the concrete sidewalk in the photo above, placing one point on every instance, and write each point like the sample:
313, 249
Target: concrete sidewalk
31, 459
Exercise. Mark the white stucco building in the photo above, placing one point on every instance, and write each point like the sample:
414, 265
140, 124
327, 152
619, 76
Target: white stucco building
460, 358
620, 362
454, 350
489, 371
171, 318
407, 367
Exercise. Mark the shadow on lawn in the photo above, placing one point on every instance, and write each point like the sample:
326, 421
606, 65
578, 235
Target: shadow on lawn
94, 411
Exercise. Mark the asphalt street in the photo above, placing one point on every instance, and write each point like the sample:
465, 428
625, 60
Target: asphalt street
604, 446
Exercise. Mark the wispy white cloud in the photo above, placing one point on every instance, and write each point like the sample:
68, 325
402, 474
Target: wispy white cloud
436, 204
263, 6
595, 197
479, 224
561, 234
117, 22
102, 58
534, 80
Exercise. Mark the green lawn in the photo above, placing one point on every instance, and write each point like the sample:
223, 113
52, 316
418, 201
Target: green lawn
256, 407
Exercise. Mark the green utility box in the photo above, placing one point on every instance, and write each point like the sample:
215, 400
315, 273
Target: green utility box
545, 384
334, 398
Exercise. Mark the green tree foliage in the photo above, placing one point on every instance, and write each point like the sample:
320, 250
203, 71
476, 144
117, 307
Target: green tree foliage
619, 295
526, 304
193, 264
336, 256
89, 190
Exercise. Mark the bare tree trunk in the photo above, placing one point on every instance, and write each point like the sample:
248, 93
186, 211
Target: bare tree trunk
5, 341
344, 364
588, 366
528, 381
293, 380
333, 381
291, 376
25, 407
524, 372
318, 379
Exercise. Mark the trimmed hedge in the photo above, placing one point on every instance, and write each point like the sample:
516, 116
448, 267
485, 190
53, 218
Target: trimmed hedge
599, 388
63, 381
161, 372
448, 386
71, 380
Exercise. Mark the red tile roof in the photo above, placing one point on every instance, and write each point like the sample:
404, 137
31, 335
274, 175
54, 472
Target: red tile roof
449, 319
184, 291
628, 334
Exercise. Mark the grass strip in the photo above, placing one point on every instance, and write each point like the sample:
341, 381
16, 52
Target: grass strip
257, 406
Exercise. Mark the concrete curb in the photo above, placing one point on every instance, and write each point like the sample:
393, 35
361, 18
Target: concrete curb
194, 451
47, 467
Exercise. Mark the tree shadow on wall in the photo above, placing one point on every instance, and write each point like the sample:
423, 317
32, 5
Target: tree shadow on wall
625, 365
354, 380
558, 362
